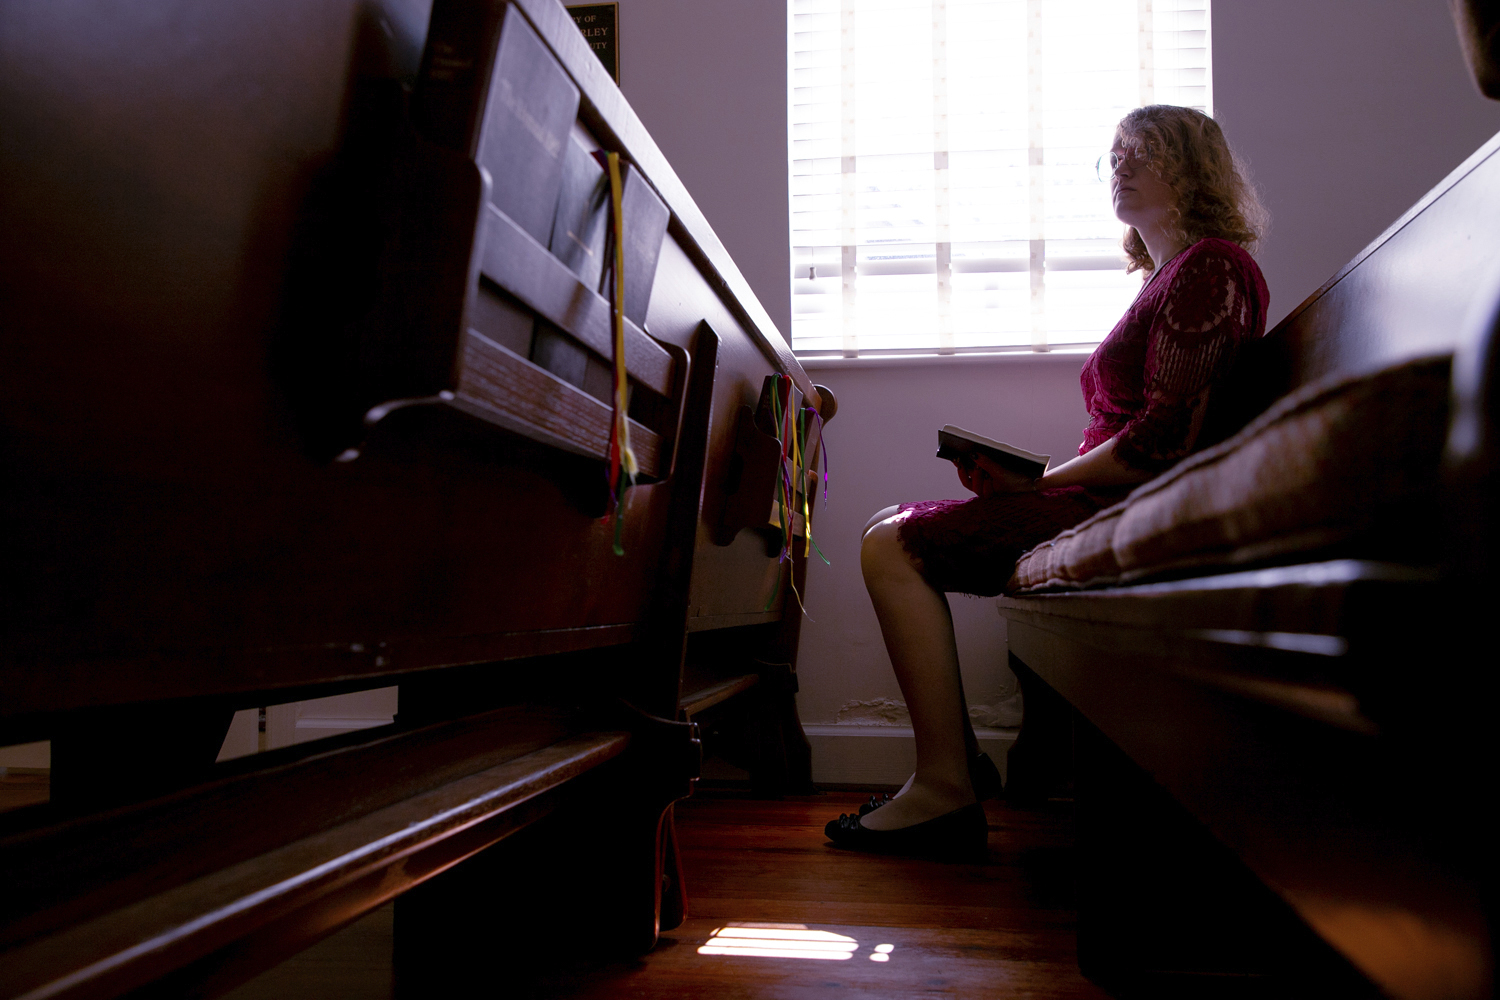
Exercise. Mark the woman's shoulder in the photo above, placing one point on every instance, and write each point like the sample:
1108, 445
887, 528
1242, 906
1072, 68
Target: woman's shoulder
1213, 248
1211, 276
1212, 257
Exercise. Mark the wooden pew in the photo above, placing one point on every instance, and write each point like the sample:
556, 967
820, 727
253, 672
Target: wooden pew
1276, 767
268, 440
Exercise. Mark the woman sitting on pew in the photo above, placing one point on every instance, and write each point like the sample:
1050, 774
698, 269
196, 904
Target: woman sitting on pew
1191, 217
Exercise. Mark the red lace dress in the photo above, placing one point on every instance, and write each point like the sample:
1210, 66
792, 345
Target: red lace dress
1150, 384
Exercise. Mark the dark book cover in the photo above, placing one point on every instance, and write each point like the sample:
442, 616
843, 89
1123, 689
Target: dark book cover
500, 318
528, 118
959, 445
455, 72
582, 220
490, 88
560, 354
646, 218
570, 361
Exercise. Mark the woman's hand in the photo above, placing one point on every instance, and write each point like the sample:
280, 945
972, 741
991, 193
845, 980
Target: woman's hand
984, 477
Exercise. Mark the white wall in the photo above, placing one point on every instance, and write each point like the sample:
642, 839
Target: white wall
1348, 110
880, 449
708, 78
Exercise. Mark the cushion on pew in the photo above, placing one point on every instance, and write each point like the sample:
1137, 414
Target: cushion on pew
1334, 463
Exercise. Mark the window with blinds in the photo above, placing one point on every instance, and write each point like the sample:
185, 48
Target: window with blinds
944, 198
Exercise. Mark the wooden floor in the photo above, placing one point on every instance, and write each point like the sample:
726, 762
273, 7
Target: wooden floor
899, 928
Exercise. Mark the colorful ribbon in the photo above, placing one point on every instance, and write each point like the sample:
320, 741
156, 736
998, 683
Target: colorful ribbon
622, 464
793, 426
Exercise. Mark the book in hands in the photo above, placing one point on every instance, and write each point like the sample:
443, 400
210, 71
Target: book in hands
958, 445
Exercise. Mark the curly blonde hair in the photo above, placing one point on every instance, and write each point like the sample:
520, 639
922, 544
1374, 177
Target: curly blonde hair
1188, 151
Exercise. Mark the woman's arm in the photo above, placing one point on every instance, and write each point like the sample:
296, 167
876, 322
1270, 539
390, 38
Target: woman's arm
1209, 311
1099, 467
1191, 347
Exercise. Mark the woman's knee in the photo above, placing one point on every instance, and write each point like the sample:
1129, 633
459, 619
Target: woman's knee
881, 551
888, 512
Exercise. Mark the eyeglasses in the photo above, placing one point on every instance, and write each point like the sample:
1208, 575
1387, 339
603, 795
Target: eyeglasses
1107, 164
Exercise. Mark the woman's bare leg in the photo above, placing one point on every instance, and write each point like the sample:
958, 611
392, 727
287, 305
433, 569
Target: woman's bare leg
891, 511
918, 632
971, 744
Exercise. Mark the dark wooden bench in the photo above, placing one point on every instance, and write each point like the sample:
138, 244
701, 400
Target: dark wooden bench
272, 434
1280, 771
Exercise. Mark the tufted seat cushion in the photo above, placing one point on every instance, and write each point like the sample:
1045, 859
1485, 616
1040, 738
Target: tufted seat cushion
1334, 462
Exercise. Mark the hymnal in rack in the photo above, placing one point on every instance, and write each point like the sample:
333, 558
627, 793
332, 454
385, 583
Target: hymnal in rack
582, 220
958, 445
496, 300
578, 239
490, 88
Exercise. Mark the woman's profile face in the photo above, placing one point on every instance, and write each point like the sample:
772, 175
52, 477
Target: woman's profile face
1140, 197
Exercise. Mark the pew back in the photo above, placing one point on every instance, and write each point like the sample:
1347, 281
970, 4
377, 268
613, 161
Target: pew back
178, 316
302, 396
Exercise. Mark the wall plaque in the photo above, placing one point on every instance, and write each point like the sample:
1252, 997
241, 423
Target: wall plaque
599, 23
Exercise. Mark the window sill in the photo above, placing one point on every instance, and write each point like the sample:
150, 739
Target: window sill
1061, 354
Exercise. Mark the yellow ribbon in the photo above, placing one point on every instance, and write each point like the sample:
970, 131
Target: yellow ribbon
622, 425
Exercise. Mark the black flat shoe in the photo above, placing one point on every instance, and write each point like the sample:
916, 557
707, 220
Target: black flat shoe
876, 801
961, 835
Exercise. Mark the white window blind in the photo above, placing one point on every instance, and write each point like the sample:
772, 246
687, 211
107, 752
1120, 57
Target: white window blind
944, 198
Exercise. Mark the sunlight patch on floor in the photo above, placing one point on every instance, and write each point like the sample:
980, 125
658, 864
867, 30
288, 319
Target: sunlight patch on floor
759, 940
